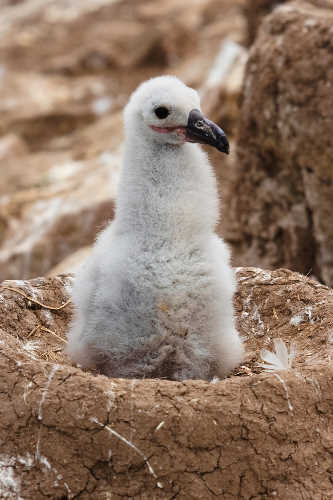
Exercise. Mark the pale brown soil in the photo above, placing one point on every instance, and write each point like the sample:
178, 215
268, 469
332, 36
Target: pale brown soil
66, 433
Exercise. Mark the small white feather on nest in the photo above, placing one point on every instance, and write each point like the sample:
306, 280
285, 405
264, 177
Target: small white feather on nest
281, 359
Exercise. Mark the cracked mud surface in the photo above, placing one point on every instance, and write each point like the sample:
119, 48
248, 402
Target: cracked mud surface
66, 433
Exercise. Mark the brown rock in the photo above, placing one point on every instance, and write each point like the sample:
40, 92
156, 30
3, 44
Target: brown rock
255, 11
281, 199
62, 64
44, 224
66, 433
71, 263
221, 91
83, 37
66, 70
54, 202
40, 107
11, 146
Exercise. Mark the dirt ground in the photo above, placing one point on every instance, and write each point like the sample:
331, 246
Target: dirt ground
67, 433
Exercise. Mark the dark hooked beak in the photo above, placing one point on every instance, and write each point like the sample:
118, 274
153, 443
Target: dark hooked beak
200, 129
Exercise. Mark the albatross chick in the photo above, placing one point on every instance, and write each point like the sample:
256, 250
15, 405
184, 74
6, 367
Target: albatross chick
154, 299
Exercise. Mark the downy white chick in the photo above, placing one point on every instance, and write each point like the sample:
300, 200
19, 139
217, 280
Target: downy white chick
154, 299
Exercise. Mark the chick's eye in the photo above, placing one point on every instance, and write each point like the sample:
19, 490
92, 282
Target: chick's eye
162, 112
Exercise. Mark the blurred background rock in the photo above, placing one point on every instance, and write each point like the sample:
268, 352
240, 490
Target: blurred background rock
66, 70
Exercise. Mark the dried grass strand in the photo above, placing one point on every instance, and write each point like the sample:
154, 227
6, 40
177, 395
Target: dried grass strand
49, 356
52, 308
34, 330
44, 329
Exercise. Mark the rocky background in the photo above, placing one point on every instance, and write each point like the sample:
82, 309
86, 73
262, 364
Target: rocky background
66, 71
264, 69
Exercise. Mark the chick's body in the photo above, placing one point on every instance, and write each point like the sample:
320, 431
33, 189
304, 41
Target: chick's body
154, 299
